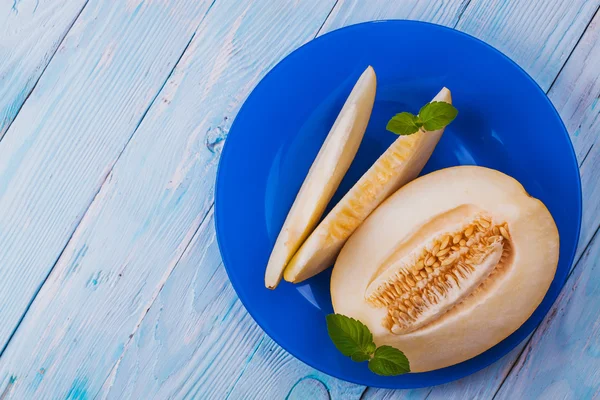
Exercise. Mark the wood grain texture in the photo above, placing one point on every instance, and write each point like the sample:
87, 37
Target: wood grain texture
274, 374
82, 113
576, 94
538, 35
563, 358
198, 341
151, 203
481, 385
576, 91
348, 12
150, 206
185, 344
30, 32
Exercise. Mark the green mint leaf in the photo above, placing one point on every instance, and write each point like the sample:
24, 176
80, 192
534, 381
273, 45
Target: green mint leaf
351, 337
403, 124
389, 361
360, 357
436, 115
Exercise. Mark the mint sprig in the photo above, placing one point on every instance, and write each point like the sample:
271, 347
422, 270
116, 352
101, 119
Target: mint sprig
354, 339
431, 117
351, 337
389, 361
404, 123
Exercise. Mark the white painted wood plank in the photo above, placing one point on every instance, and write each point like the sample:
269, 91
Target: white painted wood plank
73, 127
80, 381
186, 343
481, 385
562, 361
576, 91
590, 181
30, 32
198, 341
348, 12
388, 394
576, 95
273, 374
152, 202
538, 34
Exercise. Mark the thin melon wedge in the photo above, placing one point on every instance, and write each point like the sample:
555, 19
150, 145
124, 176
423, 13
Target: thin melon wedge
398, 165
325, 174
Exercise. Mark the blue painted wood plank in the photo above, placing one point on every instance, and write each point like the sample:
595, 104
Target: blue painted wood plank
348, 12
253, 371
562, 361
73, 127
539, 35
30, 32
198, 341
576, 91
152, 202
186, 343
274, 374
576, 94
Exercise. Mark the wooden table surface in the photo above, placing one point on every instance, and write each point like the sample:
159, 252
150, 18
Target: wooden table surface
112, 118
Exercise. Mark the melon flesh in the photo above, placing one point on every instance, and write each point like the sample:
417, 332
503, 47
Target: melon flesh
448, 266
325, 174
398, 165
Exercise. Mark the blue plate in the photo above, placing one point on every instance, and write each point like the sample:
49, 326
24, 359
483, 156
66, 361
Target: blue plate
505, 122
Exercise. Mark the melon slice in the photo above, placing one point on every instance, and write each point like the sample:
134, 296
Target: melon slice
448, 266
398, 165
325, 174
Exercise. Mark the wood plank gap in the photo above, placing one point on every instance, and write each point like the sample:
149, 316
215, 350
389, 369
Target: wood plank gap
327, 18
106, 178
572, 51
514, 363
460, 14
60, 254
8, 388
160, 288
212, 205
586, 248
260, 342
591, 238
586, 155
59, 43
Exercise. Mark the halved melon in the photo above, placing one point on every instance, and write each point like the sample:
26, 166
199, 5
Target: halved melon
448, 266
325, 174
398, 165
